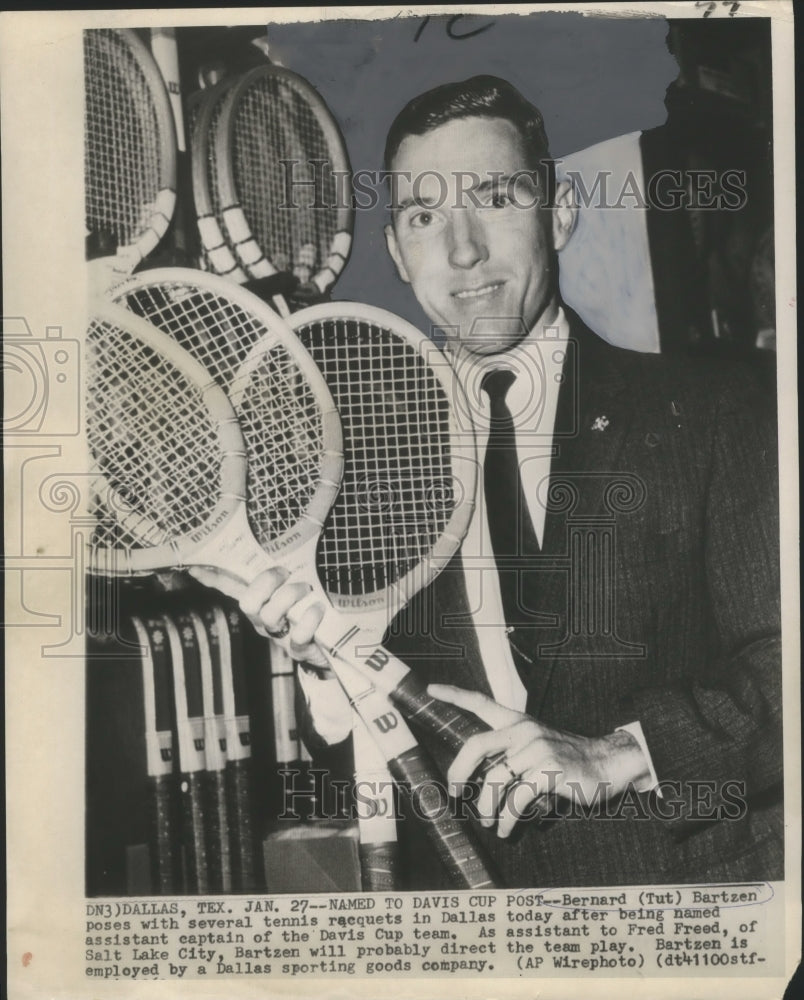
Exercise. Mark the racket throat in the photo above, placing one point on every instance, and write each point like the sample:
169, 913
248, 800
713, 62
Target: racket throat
233, 549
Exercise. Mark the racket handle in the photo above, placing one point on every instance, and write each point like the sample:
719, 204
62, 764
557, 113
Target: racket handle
244, 870
461, 858
220, 861
379, 866
452, 725
197, 868
162, 804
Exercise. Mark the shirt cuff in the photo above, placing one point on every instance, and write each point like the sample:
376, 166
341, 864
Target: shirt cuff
651, 783
328, 705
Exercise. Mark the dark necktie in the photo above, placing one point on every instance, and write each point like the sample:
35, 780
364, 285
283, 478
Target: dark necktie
510, 527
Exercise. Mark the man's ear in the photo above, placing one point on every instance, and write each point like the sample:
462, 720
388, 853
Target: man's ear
393, 250
565, 214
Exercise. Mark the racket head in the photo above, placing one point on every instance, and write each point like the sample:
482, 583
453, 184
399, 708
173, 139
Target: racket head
167, 453
293, 435
129, 146
221, 326
205, 109
215, 320
272, 115
408, 488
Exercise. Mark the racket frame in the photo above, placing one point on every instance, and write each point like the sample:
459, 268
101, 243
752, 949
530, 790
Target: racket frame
218, 252
375, 609
236, 223
128, 256
225, 540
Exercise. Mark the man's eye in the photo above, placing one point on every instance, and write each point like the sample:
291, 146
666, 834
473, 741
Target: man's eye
499, 200
421, 219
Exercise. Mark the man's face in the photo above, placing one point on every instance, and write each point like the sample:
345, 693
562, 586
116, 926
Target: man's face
476, 248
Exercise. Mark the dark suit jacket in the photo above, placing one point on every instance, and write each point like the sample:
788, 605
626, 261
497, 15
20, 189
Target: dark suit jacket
657, 599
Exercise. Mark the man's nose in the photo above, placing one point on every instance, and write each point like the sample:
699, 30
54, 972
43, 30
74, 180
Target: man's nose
467, 239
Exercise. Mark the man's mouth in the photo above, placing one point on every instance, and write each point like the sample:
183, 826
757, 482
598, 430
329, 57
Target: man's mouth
479, 292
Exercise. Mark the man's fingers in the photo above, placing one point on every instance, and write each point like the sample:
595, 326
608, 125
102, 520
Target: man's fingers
492, 793
474, 752
260, 591
484, 708
519, 804
302, 635
273, 614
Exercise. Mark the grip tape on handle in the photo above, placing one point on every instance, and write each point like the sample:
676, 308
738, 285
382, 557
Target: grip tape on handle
164, 867
461, 858
379, 866
245, 877
197, 866
220, 861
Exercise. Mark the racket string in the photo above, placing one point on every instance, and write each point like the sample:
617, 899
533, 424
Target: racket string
293, 223
396, 496
281, 421
279, 414
123, 142
154, 447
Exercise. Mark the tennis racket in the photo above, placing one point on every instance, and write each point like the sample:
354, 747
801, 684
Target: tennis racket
205, 107
177, 485
276, 138
191, 757
216, 812
159, 748
217, 324
129, 149
408, 486
228, 628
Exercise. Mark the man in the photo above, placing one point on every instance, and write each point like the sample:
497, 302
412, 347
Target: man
624, 642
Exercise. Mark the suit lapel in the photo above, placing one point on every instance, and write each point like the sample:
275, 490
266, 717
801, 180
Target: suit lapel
593, 416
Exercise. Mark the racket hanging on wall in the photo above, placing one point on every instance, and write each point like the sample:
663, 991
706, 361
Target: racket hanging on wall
275, 140
129, 150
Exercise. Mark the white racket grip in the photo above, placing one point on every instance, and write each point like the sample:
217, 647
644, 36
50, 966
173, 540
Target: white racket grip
214, 733
283, 697
158, 744
344, 643
236, 727
386, 726
374, 793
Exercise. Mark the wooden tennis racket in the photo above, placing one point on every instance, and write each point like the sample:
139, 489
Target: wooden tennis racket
228, 628
191, 757
409, 481
159, 750
129, 149
177, 488
218, 255
216, 814
276, 140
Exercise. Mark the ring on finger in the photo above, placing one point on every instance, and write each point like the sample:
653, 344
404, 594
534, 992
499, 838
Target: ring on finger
281, 632
504, 762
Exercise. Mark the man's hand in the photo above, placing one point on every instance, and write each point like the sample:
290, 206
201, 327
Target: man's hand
537, 761
266, 603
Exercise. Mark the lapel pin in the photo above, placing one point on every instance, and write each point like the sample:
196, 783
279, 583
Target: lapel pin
600, 424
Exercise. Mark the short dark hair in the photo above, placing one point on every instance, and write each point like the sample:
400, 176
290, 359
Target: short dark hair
478, 97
